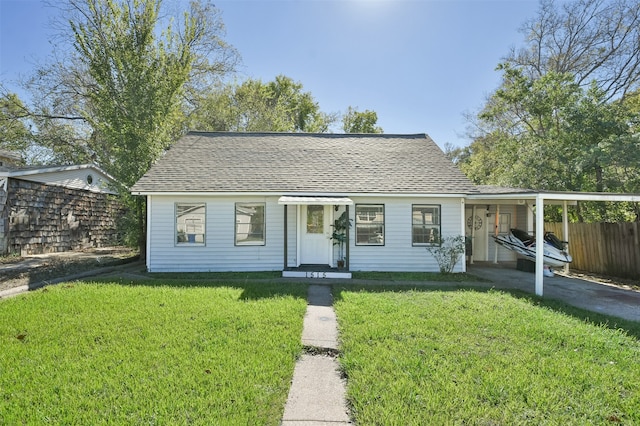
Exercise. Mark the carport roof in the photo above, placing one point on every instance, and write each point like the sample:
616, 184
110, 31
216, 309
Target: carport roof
510, 194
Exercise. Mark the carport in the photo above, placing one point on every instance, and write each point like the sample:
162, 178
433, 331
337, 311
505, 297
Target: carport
538, 201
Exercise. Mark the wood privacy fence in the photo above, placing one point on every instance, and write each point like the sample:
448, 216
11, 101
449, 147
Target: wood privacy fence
603, 248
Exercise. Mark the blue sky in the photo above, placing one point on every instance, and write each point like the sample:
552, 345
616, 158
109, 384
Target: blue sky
420, 64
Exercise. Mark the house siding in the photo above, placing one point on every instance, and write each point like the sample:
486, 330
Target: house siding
75, 179
398, 252
36, 218
292, 240
219, 252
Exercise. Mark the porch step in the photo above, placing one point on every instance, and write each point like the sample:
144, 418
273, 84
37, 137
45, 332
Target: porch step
316, 272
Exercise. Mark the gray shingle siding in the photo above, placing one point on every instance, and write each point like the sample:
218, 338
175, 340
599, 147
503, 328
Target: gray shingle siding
305, 163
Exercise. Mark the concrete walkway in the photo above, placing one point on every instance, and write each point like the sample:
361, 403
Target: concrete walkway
317, 393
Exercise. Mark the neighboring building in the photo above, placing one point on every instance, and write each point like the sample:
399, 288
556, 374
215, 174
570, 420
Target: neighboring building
267, 201
47, 209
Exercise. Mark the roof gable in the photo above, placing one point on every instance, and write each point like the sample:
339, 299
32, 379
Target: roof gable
304, 163
79, 176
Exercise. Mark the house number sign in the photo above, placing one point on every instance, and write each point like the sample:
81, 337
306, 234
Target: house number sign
316, 275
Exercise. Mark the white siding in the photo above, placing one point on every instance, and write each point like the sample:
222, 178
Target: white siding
76, 179
398, 253
292, 247
219, 252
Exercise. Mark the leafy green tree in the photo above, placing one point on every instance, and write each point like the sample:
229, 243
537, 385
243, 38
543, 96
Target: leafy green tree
548, 133
355, 121
280, 105
14, 134
562, 118
121, 95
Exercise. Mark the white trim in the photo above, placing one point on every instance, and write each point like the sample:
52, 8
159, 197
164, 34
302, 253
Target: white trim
539, 245
298, 236
557, 196
565, 232
149, 234
54, 169
322, 201
316, 275
290, 194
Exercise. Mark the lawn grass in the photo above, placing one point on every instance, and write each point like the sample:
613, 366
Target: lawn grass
416, 357
215, 276
88, 353
373, 276
416, 276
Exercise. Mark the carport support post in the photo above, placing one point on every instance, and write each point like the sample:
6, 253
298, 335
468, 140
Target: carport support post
539, 244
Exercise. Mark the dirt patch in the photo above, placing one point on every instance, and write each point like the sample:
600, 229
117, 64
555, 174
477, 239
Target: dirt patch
16, 271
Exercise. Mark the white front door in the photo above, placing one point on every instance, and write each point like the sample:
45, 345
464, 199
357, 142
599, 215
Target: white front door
315, 235
480, 232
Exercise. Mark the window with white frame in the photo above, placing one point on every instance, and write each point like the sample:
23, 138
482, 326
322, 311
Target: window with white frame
425, 221
370, 224
504, 223
250, 220
190, 223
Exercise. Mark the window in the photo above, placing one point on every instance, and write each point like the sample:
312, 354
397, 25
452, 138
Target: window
315, 219
425, 224
504, 224
250, 224
370, 224
190, 223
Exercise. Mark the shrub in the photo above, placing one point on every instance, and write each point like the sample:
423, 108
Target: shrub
448, 252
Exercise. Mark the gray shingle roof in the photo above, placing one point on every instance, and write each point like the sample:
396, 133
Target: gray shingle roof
304, 163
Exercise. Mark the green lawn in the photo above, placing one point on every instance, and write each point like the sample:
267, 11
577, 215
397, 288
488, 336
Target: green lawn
193, 352
176, 353
482, 358
416, 276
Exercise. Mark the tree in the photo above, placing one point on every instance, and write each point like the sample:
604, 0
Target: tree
121, 96
14, 134
595, 40
280, 105
549, 133
355, 121
562, 117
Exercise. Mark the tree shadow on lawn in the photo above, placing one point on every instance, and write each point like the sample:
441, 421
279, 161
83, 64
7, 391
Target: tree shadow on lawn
632, 328
252, 289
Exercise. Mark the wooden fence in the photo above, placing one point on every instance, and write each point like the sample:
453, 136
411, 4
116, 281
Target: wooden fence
603, 248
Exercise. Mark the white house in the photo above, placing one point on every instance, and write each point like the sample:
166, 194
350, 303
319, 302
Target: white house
267, 201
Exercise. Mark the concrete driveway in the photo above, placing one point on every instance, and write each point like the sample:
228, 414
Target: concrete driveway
593, 296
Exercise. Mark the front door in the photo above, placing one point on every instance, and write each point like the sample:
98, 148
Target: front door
315, 242
480, 232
